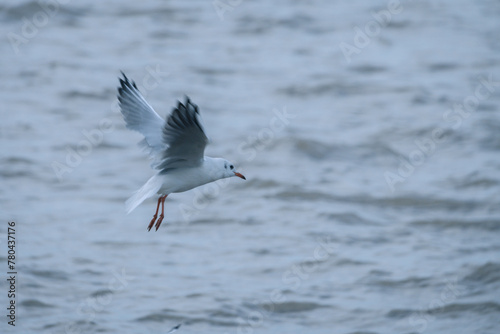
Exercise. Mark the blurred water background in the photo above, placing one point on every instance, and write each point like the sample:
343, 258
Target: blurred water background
368, 132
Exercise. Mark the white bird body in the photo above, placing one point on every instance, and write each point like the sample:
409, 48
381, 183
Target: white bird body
176, 146
177, 181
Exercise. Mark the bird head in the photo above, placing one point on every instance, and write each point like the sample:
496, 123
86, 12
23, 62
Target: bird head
229, 170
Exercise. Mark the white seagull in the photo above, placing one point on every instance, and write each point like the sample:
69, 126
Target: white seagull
176, 146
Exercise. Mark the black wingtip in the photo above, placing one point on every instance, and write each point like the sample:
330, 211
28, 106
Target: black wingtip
124, 79
189, 103
126, 83
186, 104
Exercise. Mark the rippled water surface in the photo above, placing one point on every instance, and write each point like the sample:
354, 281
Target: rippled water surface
369, 133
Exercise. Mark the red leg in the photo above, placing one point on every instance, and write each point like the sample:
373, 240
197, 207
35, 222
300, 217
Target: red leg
160, 219
156, 215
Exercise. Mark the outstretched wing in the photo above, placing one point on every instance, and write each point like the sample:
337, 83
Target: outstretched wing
175, 143
140, 116
184, 136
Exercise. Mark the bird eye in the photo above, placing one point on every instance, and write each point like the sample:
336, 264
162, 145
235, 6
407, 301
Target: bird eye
232, 167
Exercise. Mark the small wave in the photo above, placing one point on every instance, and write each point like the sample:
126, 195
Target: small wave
262, 184
474, 180
168, 315
75, 94
413, 201
303, 195
402, 24
403, 201
291, 306
400, 313
488, 225
315, 149
16, 160
203, 221
17, 167
251, 25
436, 67
478, 183
448, 310
34, 303
486, 274
347, 218
368, 69
113, 244
350, 262
31, 8
16, 13
16, 174
336, 88
79, 326
165, 315
101, 293
167, 34
410, 282
212, 71
480, 308
164, 13
52, 274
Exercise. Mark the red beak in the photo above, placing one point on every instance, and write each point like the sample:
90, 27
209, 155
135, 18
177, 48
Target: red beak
239, 175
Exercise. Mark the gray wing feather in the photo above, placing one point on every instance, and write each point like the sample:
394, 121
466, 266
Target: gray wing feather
177, 142
140, 116
184, 135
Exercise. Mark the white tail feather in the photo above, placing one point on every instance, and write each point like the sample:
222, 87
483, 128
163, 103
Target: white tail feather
149, 189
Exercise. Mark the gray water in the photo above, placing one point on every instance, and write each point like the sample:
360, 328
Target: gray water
372, 200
